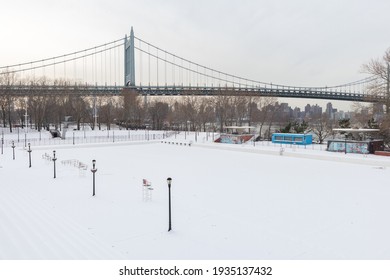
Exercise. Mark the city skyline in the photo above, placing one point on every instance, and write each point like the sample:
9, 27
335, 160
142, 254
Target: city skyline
312, 111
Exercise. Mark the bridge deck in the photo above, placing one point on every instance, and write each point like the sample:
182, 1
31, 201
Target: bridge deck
289, 92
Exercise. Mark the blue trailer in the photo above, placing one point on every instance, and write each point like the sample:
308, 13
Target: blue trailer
292, 138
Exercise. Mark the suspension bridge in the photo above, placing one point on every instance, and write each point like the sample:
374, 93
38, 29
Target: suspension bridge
131, 64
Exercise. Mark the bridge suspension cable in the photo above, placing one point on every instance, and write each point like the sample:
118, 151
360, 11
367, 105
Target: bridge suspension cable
87, 56
62, 56
234, 80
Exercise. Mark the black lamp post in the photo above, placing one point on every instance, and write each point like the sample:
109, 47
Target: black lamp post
13, 149
93, 170
2, 143
29, 155
54, 161
345, 144
169, 180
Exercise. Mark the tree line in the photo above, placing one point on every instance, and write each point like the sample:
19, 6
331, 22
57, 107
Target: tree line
130, 111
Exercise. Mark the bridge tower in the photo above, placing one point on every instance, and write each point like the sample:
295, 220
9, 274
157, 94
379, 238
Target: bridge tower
129, 60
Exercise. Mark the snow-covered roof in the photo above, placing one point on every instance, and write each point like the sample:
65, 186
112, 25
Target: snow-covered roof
356, 129
240, 127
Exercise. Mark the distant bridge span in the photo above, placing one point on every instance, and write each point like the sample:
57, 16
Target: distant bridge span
110, 69
288, 92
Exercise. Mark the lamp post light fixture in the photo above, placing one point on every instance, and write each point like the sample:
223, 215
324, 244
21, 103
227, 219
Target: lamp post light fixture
93, 170
169, 180
54, 161
29, 155
13, 150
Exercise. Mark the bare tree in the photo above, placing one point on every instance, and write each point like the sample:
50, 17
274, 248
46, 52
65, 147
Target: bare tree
134, 113
221, 104
20, 104
273, 111
7, 80
253, 110
206, 112
189, 109
158, 111
380, 68
4, 100
79, 110
267, 111
239, 107
38, 103
321, 127
106, 110
362, 114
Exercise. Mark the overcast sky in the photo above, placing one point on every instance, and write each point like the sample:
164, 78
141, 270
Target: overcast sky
300, 42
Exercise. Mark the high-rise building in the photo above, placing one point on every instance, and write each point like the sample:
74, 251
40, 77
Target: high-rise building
329, 111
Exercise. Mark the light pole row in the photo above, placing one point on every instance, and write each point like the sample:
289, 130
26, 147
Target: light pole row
94, 170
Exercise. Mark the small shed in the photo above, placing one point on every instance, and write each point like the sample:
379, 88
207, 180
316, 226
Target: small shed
356, 147
292, 138
369, 146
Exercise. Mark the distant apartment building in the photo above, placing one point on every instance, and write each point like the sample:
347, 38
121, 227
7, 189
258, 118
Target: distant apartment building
314, 111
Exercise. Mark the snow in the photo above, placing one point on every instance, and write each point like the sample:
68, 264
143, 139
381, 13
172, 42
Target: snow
228, 201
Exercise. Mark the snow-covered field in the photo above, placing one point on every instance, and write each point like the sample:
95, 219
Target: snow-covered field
228, 202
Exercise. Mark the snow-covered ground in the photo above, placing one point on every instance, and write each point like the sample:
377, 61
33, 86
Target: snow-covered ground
228, 201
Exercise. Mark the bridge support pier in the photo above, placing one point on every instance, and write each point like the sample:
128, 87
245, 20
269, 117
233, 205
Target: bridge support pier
129, 60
